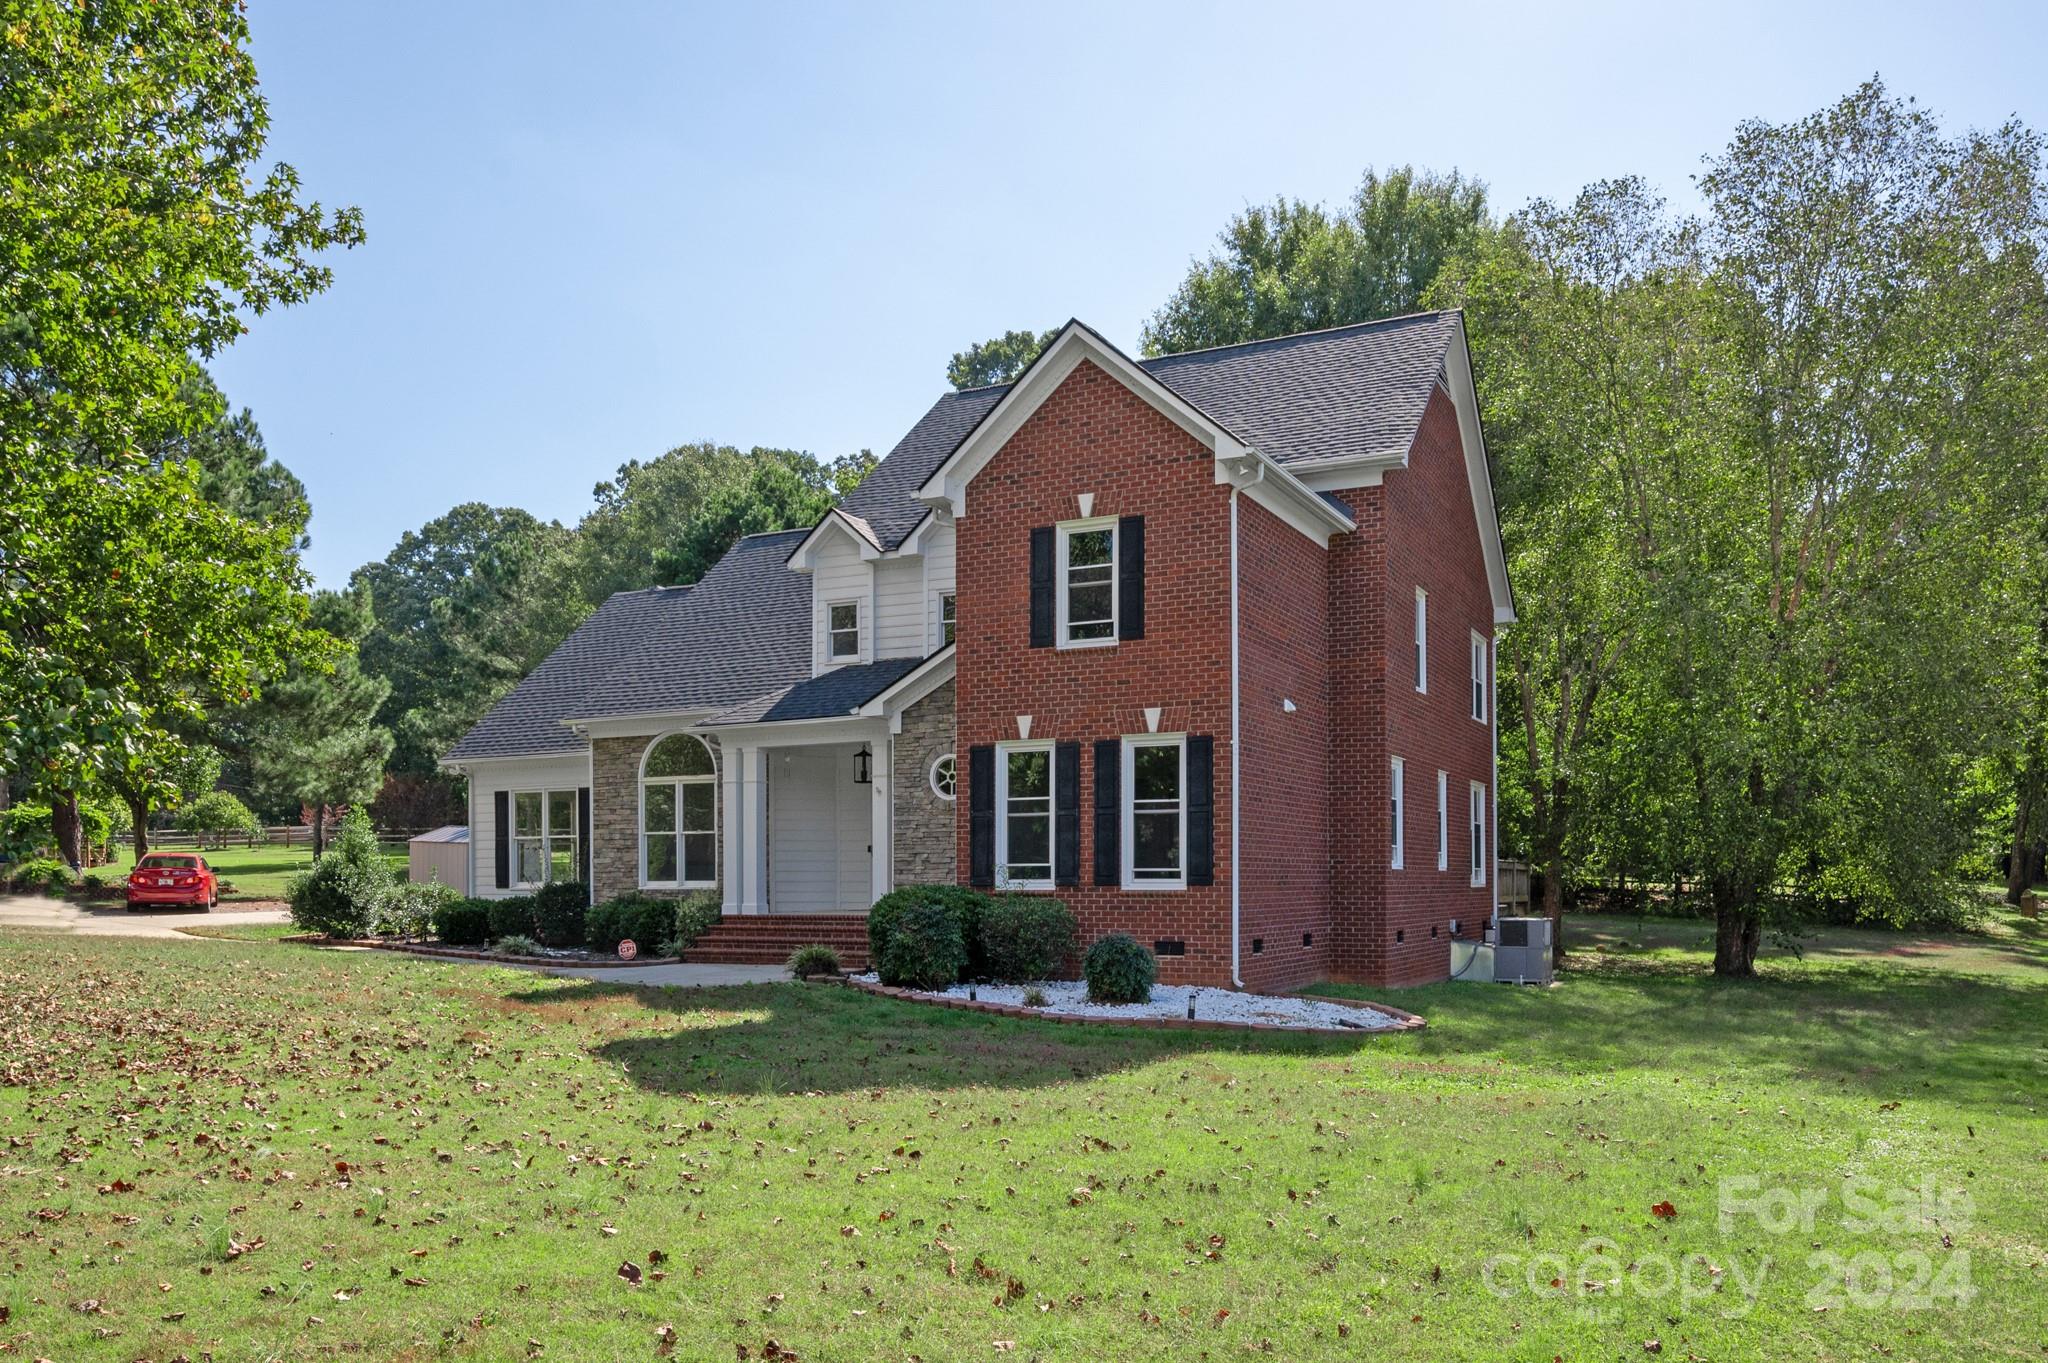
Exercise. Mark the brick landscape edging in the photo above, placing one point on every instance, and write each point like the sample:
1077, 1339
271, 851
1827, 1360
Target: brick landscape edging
1404, 1021
468, 954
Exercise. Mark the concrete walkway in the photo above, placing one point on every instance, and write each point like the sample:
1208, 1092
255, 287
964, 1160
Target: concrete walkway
114, 920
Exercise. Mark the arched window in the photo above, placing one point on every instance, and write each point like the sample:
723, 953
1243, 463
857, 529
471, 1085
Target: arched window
945, 776
678, 814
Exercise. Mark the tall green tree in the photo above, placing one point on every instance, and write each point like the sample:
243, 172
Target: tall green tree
314, 737
778, 494
1293, 266
998, 359
140, 234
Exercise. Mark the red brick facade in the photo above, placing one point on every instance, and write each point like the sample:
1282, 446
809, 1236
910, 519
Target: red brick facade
1318, 628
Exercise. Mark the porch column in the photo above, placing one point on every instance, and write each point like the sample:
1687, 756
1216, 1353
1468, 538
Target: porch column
753, 830
732, 825
881, 860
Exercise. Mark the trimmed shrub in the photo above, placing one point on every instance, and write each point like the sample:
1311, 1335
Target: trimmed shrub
1025, 938
1120, 969
40, 875
815, 959
696, 915
924, 948
511, 917
344, 893
518, 944
411, 908
463, 922
968, 907
645, 919
215, 817
558, 912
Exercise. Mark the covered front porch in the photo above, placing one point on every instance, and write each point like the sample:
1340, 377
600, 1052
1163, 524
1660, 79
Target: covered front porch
806, 818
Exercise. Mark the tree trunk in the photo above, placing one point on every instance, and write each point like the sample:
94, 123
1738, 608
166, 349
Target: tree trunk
2019, 870
1553, 909
138, 817
319, 829
1738, 929
67, 828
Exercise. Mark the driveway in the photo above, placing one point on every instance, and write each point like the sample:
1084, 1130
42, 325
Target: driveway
114, 920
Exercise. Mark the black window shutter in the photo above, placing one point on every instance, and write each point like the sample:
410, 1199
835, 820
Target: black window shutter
1041, 587
501, 805
981, 819
1201, 849
1066, 813
1130, 578
1109, 814
583, 834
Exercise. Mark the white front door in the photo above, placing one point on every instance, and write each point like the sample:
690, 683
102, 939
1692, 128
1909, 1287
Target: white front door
819, 822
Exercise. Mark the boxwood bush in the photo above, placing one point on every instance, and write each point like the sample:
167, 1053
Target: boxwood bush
1120, 969
967, 906
558, 912
648, 921
923, 948
463, 922
1026, 938
345, 891
511, 917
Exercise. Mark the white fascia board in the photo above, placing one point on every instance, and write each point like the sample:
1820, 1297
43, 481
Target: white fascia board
913, 543
799, 733
1357, 470
636, 726
1479, 473
800, 558
464, 763
913, 686
1274, 487
947, 486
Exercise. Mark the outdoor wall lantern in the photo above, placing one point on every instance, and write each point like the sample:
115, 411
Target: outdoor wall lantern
863, 775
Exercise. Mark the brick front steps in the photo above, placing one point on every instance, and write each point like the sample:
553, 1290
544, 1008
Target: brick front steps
767, 939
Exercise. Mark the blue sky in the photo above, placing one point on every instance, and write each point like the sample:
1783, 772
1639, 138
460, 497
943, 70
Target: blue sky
598, 231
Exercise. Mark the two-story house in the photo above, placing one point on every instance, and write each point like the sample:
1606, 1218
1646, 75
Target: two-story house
1201, 644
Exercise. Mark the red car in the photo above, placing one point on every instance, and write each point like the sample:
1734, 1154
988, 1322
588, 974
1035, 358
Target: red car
173, 878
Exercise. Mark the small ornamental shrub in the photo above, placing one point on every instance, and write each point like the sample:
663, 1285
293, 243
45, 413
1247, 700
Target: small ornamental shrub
645, 919
518, 944
411, 908
40, 875
1034, 997
345, 891
215, 817
815, 959
96, 885
924, 948
511, 917
968, 908
558, 912
1025, 937
1120, 969
463, 922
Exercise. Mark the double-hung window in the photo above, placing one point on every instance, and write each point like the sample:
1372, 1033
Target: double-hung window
1395, 812
1421, 640
544, 825
1087, 584
1024, 816
678, 814
1155, 813
842, 631
1443, 821
946, 608
1478, 834
1478, 676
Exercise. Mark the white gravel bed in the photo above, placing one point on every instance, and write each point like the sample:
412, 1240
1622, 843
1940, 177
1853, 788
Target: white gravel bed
1070, 997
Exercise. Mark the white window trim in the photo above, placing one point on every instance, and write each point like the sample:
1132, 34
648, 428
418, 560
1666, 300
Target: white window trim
931, 776
859, 633
939, 600
640, 818
1480, 681
1422, 640
547, 833
1052, 813
1064, 530
1443, 821
1129, 813
1477, 823
1399, 811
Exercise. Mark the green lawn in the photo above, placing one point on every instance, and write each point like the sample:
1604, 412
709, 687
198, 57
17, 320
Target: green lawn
252, 872
371, 1154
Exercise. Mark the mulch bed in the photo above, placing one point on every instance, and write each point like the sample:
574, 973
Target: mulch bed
1405, 1020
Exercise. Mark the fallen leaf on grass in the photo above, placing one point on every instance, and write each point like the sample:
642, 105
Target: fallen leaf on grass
630, 1271
1663, 1211
664, 1340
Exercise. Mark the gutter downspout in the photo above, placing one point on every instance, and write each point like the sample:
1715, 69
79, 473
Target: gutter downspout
1236, 754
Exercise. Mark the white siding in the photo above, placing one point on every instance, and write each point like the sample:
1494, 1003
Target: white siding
900, 610
568, 772
818, 821
938, 578
839, 574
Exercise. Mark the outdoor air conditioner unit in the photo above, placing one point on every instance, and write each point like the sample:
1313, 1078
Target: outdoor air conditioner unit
1523, 953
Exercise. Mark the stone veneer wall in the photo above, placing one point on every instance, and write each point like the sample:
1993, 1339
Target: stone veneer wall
615, 815
925, 840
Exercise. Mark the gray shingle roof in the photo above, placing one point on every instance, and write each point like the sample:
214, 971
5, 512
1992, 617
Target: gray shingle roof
528, 721
838, 692
886, 499
746, 631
